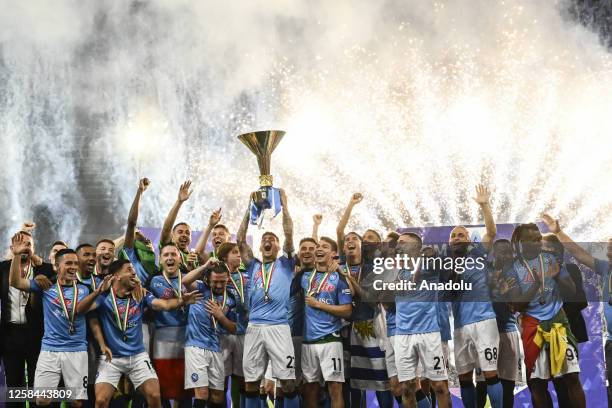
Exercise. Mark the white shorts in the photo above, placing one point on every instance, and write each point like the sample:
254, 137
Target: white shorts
390, 356
203, 368
297, 348
71, 365
323, 361
424, 348
541, 369
233, 348
138, 368
477, 346
510, 361
268, 342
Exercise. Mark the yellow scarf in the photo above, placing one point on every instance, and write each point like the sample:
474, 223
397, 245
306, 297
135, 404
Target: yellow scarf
557, 340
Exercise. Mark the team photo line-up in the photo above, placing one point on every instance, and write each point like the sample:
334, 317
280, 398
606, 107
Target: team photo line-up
298, 327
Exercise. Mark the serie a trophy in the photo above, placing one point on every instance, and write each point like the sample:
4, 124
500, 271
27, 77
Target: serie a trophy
262, 144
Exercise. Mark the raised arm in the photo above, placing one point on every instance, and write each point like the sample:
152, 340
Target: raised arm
246, 254
287, 225
581, 255
18, 246
133, 215
189, 279
316, 222
200, 247
355, 199
482, 198
183, 196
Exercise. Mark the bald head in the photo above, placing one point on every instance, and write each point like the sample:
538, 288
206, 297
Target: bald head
459, 240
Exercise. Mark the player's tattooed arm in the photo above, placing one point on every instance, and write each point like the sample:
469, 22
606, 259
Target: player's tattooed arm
217, 311
246, 253
316, 222
483, 199
581, 255
89, 302
355, 199
287, 225
343, 311
128, 241
188, 298
18, 247
200, 247
183, 195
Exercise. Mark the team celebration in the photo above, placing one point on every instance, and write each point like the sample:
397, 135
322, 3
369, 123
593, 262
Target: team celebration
289, 322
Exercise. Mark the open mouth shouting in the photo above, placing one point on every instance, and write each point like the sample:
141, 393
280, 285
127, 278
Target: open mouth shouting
320, 254
106, 259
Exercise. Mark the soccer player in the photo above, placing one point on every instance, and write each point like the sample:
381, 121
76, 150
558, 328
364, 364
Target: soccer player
232, 344
509, 355
170, 326
417, 338
86, 255
541, 283
600, 267
363, 344
120, 310
476, 335
328, 299
179, 234
56, 246
105, 254
64, 345
204, 368
268, 336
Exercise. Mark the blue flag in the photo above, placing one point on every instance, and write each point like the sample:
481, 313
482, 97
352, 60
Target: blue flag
271, 202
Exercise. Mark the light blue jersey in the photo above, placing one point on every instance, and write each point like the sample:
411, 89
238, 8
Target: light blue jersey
506, 319
161, 289
57, 336
328, 288
201, 330
471, 306
552, 296
416, 310
443, 311
242, 312
129, 342
274, 308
